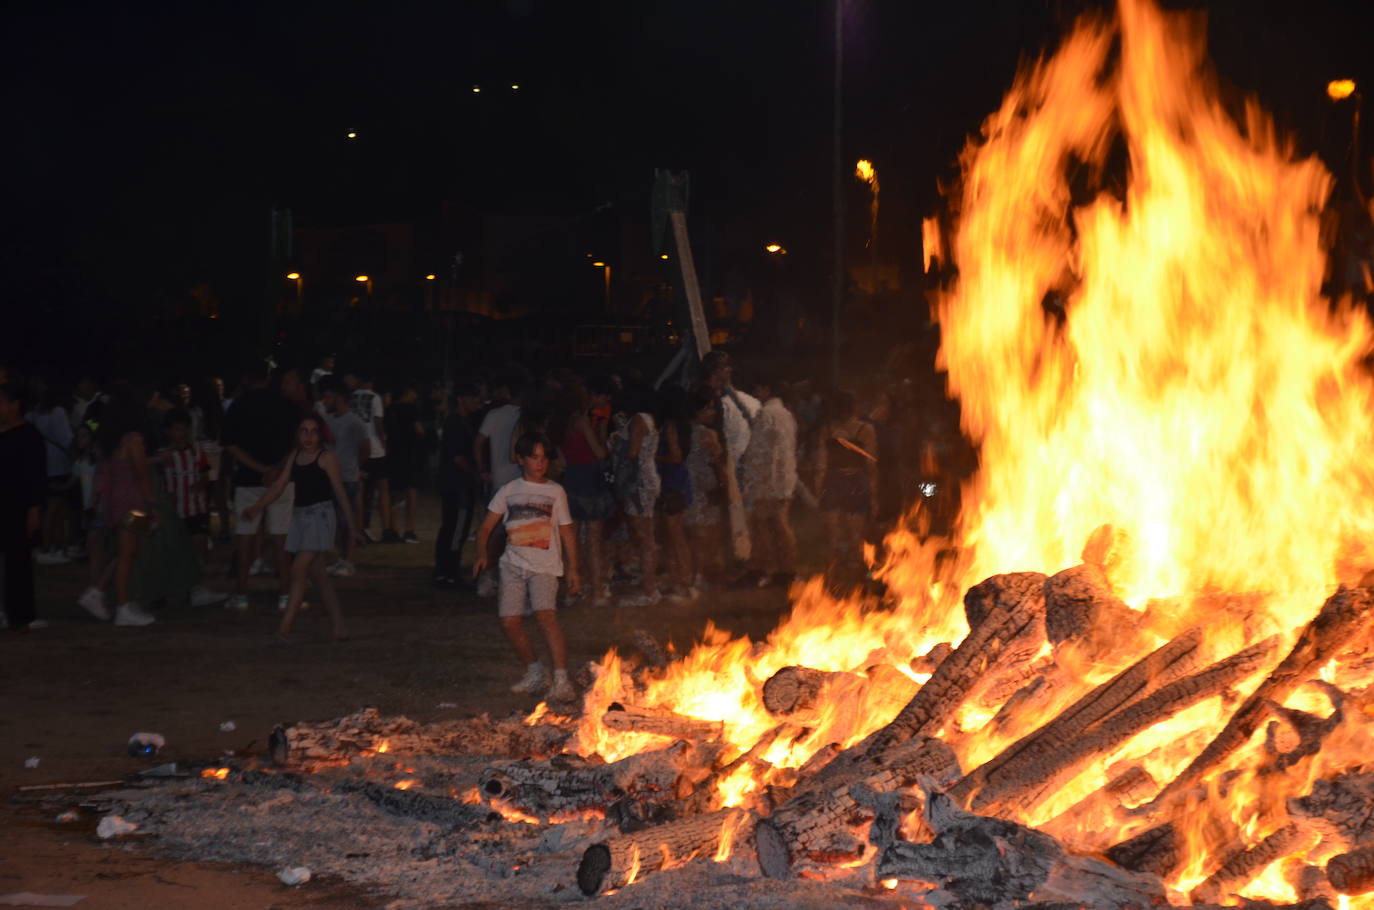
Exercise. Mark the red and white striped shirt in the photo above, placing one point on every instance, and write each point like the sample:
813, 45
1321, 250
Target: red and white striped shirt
182, 474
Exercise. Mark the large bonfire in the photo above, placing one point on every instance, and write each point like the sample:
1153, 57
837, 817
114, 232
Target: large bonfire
1192, 409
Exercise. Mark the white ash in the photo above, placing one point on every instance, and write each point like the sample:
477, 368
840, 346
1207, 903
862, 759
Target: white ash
325, 823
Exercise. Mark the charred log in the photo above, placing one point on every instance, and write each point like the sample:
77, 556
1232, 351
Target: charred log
368, 732
1013, 611
1241, 866
1353, 872
545, 789
822, 810
622, 860
1080, 606
795, 690
631, 719
1340, 619
1028, 777
990, 861
1341, 808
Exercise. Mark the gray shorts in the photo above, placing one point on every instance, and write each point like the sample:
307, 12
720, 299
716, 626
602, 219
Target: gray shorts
524, 592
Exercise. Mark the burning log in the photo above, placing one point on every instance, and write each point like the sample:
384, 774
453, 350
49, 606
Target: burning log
705, 796
807, 823
1130, 786
794, 690
1340, 808
1012, 611
621, 861
1353, 872
1241, 866
1340, 619
928, 661
1027, 777
631, 719
993, 862
1162, 666
1080, 606
545, 789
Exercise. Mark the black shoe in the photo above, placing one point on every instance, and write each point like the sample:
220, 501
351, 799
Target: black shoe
410, 537
390, 537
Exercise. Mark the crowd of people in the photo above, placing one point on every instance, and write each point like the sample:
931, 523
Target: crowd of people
635, 495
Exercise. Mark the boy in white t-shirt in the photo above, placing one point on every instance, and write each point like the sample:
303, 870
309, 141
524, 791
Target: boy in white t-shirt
539, 528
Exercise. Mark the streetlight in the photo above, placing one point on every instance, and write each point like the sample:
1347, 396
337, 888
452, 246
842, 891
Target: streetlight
365, 280
351, 134
606, 269
477, 89
296, 277
1339, 89
776, 249
430, 277
663, 256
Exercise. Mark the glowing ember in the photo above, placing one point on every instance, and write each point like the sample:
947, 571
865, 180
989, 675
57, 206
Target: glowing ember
406, 784
214, 773
383, 747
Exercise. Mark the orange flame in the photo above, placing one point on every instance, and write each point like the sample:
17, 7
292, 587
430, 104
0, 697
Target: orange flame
406, 784
383, 747
214, 773
1159, 358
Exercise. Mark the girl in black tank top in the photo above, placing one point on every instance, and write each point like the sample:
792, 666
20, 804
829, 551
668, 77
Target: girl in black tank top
319, 492
312, 483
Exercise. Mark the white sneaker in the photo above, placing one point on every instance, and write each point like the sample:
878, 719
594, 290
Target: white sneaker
562, 690
641, 600
202, 596
237, 602
532, 681
341, 568
131, 614
51, 558
92, 600
260, 567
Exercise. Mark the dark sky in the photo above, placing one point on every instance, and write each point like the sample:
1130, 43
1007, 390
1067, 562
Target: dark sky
147, 139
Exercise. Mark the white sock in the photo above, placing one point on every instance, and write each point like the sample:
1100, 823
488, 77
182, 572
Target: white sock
560, 675
535, 667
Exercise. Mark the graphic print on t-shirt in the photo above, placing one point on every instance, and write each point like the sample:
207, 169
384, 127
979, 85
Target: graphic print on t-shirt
529, 521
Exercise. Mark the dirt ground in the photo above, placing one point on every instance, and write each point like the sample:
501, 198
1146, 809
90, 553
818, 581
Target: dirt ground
74, 692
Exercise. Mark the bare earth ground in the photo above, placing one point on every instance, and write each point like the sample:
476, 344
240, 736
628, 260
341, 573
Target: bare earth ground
73, 693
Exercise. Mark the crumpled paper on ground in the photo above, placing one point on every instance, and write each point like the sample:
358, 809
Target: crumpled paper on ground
296, 875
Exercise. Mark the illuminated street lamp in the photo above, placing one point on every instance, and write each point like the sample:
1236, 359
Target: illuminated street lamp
296, 277
776, 249
663, 256
1340, 89
606, 268
352, 134
365, 280
293, 276
430, 277
477, 89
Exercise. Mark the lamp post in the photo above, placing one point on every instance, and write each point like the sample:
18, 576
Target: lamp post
1338, 90
300, 292
606, 273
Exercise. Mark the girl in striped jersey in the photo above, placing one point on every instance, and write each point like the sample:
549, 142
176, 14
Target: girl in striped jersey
186, 477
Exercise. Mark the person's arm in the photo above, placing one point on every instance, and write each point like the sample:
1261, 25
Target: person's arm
674, 453
278, 485
242, 457
330, 463
489, 524
568, 534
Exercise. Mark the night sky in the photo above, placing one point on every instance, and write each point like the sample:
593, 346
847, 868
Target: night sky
146, 141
